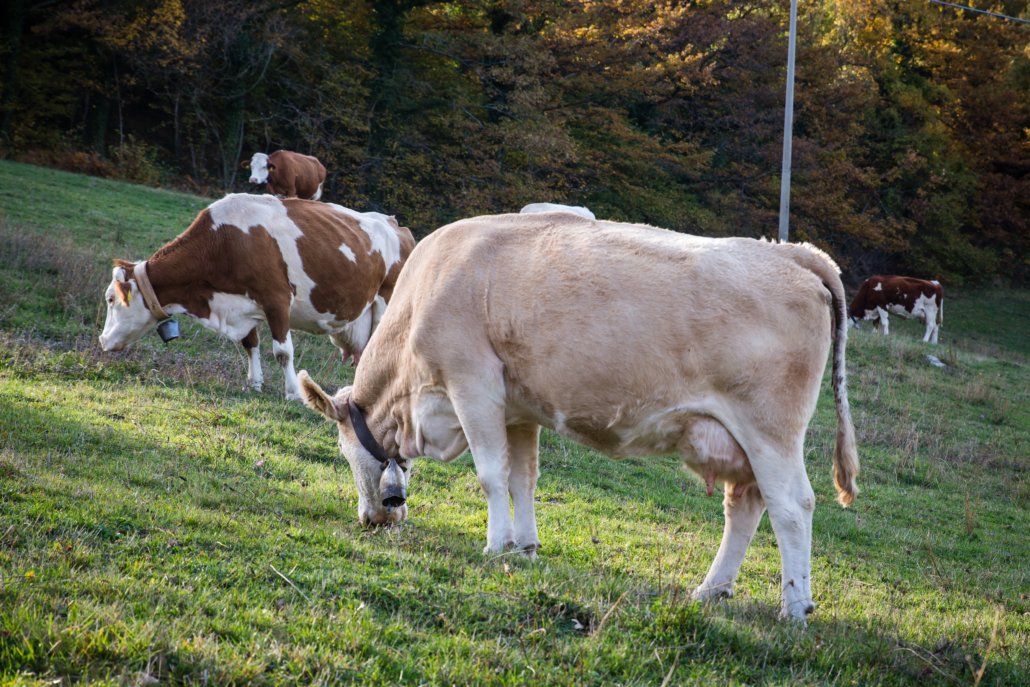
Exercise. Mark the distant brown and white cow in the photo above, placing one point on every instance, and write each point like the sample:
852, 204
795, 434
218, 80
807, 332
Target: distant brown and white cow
903, 296
296, 264
626, 338
289, 175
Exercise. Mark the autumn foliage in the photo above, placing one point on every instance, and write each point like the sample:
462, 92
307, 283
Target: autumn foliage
912, 120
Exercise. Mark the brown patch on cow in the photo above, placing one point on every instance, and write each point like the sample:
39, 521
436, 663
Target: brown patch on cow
252, 339
407, 245
123, 290
341, 286
344, 287
125, 265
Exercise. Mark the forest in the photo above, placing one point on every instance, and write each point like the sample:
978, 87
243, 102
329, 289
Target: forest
911, 120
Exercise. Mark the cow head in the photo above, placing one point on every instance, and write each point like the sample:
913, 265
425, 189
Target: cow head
127, 315
259, 168
382, 490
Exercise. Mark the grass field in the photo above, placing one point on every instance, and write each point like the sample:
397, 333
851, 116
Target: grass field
158, 522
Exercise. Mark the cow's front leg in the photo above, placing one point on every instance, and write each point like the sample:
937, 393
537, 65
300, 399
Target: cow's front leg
282, 349
790, 500
743, 514
524, 462
883, 320
251, 345
478, 405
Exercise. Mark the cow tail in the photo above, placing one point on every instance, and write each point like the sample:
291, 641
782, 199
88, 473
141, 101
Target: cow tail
940, 310
845, 451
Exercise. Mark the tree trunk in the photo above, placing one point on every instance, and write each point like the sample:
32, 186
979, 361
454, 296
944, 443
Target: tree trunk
96, 133
15, 20
232, 139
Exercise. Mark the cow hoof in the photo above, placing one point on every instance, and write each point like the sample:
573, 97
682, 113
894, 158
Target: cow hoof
530, 550
798, 612
292, 396
256, 388
713, 593
498, 548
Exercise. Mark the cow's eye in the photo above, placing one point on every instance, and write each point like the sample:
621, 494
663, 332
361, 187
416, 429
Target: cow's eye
110, 300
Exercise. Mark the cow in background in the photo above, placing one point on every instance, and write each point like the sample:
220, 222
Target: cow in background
316, 267
903, 296
289, 175
534, 208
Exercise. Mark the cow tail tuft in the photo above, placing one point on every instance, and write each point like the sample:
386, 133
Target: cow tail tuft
845, 451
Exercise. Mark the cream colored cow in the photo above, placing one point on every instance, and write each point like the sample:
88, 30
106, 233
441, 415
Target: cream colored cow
628, 339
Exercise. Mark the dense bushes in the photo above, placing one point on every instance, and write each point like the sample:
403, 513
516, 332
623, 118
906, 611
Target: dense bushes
911, 120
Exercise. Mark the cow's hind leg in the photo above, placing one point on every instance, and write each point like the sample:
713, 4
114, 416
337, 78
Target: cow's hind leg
931, 325
790, 500
251, 345
479, 405
282, 348
524, 463
742, 516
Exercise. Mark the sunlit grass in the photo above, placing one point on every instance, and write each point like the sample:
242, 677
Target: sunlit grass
158, 521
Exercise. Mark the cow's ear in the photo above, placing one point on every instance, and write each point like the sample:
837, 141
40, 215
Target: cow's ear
123, 290
271, 168
245, 164
334, 408
122, 269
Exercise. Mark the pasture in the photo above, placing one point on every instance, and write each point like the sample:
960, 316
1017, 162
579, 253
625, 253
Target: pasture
159, 522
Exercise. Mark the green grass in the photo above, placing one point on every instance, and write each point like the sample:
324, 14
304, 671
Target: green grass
156, 519
127, 220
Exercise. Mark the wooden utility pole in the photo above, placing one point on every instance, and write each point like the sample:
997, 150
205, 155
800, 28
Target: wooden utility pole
788, 126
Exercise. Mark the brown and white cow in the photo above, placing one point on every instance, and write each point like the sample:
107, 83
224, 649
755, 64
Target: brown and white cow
903, 296
296, 264
626, 338
289, 175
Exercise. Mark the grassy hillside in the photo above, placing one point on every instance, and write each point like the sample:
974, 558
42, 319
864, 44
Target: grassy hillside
158, 521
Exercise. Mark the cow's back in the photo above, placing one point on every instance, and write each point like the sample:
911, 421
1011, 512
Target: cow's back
599, 324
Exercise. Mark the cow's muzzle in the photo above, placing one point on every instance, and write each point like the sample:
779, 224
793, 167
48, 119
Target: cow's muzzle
392, 489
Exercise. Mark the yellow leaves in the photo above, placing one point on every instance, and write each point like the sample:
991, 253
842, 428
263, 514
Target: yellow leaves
156, 32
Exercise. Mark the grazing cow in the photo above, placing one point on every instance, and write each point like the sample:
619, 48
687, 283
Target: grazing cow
628, 339
534, 208
902, 296
289, 175
296, 264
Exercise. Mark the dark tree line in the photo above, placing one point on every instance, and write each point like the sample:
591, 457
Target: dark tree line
912, 122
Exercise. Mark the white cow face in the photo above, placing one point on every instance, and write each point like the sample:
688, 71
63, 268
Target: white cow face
258, 168
127, 317
370, 478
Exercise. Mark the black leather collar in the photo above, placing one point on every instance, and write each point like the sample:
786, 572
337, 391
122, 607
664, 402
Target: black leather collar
357, 421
